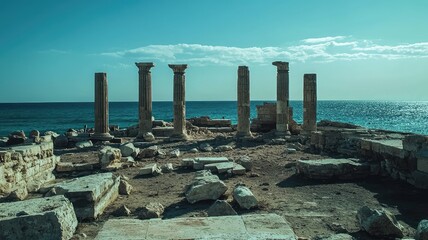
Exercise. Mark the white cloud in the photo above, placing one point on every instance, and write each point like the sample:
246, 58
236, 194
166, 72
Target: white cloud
325, 49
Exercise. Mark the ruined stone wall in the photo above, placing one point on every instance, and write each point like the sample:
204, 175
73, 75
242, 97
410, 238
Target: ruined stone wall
27, 166
399, 156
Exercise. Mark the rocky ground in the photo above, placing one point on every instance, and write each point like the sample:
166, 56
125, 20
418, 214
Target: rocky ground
314, 208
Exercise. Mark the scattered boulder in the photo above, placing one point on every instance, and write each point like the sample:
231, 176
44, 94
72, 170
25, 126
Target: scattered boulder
175, 153
84, 144
122, 211
128, 149
151, 210
422, 231
61, 141
148, 152
150, 169
224, 148
18, 195
246, 162
149, 137
244, 197
206, 147
291, 150
167, 168
205, 186
379, 223
221, 208
193, 150
124, 187
110, 158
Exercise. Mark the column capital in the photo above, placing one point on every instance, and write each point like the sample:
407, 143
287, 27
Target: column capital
178, 68
281, 65
144, 66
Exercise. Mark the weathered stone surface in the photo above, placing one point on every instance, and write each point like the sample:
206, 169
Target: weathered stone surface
151, 210
51, 133
122, 211
109, 157
206, 147
124, 187
148, 169
41, 218
341, 236
238, 169
187, 162
91, 194
244, 197
205, 187
174, 153
167, 168
149, 137
224, 148
128, 149
260, 226
193, 150
71, 167
246, 162
333, 168
148, 152
18, 195
380, 223
221, 208
221, 167
422, 230
84, 144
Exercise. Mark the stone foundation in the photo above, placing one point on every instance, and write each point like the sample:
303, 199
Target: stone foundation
27, 166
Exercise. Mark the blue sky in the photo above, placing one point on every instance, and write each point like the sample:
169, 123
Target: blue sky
361, 50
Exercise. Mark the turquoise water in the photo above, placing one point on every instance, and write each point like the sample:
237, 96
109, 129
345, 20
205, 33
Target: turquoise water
398, 116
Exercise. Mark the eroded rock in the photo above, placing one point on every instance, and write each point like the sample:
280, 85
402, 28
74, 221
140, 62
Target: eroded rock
151, 210
244, 197
379, 223
205, 186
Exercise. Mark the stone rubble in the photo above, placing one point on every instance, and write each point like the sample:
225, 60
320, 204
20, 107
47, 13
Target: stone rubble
205, 186
128, 149
148, 152
379, 223
221, 208
244, 197
110, 158
151, 210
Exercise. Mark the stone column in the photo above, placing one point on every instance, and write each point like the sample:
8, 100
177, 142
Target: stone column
101, 108
144, 98
282, 98
179, 102
243, 102
309, 103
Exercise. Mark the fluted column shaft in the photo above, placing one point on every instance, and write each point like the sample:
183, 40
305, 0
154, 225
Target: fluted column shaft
144, 98
282, 98
309, 103
179, 102
101, 107
243, 102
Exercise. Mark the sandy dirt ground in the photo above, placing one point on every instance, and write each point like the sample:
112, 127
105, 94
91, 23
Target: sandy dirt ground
313, 208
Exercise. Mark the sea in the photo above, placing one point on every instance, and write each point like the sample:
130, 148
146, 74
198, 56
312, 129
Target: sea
387, 115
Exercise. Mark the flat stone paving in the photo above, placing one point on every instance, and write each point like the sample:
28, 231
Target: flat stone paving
260, 226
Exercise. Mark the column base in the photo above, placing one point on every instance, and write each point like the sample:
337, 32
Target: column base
179, 137
102, 136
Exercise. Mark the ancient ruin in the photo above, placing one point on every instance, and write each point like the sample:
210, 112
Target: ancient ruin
101, 108
282, 98
243, 129
144, 98
179, 102
309, 103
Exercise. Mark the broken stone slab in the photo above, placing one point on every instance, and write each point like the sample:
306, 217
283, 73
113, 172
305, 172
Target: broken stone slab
379, 223
148, 152
260, 226
90, 195
151, 210
246, 162
205, 186
238, 169
244, 197
422, 230
221, 208
333, 168
40, 218
72, 167
148, 169
109, 156
221, 167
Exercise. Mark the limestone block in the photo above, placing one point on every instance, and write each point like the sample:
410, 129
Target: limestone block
221, 167
244, 197
128, 149
205, 187
148, 169
187, 162
41, 218
91, 194
246, 162
28, 150
109, 156
151, 210
221, 208
380, 223
333, 168
148, 152
238, 169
